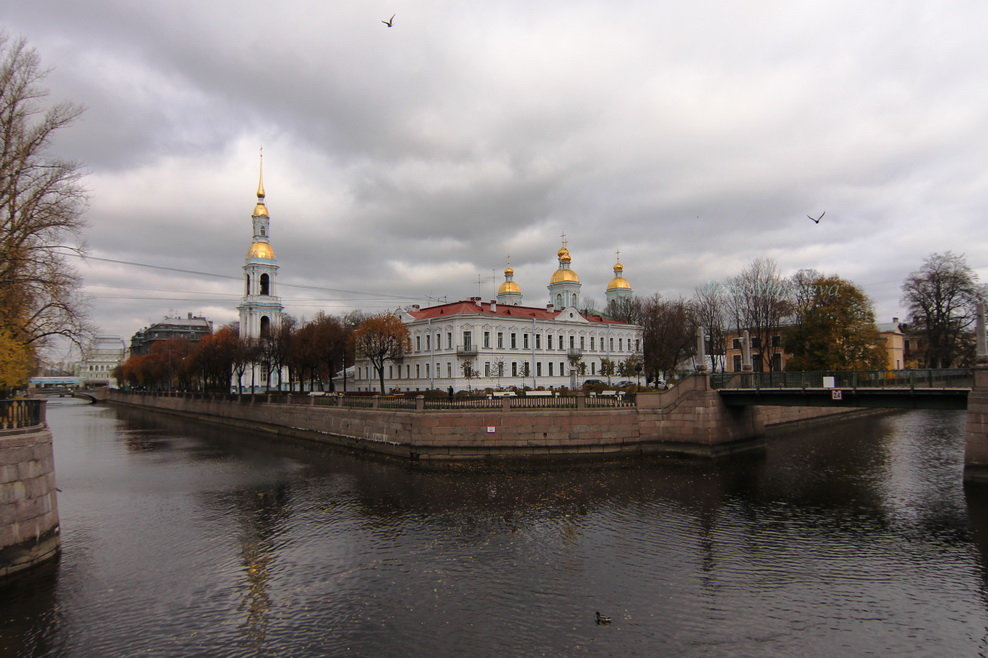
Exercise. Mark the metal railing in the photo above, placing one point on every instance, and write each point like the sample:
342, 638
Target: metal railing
846, 379
17, 414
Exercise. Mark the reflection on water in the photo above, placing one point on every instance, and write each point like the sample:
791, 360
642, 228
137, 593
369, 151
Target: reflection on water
180, 539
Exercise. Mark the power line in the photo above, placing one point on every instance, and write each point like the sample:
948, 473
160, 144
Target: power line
234, 278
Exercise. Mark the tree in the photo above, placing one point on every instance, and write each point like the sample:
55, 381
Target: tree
668, 332
758, 299
380, 338
941, 298
710, 312
628, 310
41, 206
834, 329
15, 363
607, 369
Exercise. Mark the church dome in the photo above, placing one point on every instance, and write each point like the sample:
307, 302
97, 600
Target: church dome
260, 250
509, 287
563, 255
619, 283
563, 275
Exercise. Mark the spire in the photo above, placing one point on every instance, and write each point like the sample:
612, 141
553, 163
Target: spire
260, 210
260, 176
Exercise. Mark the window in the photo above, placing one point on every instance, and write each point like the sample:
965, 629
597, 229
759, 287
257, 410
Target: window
391, 372
449, 340
562, 373
582, 342
265, 326
467, 339
591, 343
487, 339
736, 343
620, 344
538, 368
538, 341
408, 371
548, 341
776, 340
611, 341
487, 368
500, 340
418, 371
638, 343
265, 284
593, 368
428, 343
572, 342
737, 363
550, 368
247, 285
524, 341
427, 371
449, 370
514, 369
439, 342
514, 341
418, 343
756, 341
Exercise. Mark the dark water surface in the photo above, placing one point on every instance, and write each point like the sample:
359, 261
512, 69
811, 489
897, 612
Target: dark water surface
183, 540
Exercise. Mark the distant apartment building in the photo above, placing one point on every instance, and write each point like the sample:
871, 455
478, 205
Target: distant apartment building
191, 328
773, 356
894, 341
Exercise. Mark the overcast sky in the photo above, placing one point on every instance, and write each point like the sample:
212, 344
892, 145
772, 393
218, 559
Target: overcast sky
403, 163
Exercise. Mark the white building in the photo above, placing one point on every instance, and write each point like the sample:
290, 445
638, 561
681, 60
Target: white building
260, 308
99, 360
475, 345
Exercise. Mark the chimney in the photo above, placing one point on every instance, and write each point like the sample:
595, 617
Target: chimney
493, 306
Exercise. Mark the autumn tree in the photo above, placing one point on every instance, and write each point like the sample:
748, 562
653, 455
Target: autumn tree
710, 312
834, 327
41, 206
213, 358
380, 338
320, 347
941, 298
15, 363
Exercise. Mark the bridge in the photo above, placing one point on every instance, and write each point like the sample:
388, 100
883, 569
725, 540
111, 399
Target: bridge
898, 389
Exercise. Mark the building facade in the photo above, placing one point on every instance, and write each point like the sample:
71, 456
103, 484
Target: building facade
191, 328
474, 344
99, 360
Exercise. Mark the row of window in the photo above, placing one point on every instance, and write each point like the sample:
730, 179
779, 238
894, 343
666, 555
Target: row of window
526, 342
496, 369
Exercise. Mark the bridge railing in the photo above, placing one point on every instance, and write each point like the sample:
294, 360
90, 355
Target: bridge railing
847, 379
18, 414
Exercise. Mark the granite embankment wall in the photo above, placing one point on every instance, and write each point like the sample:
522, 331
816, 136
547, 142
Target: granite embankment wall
29, 529
689, 419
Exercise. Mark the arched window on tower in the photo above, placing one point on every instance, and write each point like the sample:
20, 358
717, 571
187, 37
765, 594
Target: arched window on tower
559, 301
265, 325
265, 284
247, 285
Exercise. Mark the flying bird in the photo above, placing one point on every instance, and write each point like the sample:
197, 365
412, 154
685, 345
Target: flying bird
390, 21
816, 220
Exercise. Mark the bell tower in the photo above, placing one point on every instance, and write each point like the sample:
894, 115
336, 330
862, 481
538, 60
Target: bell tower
260, 308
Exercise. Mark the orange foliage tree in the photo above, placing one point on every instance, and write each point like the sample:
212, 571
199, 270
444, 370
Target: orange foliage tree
379, 338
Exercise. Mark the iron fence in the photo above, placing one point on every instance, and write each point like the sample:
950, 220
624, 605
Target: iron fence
847, 379
17, 414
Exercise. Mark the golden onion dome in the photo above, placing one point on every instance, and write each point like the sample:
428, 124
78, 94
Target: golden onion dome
508, 271
619, 283
260, 210
562, 276
260, 250
618, 267
509, 287
563, 254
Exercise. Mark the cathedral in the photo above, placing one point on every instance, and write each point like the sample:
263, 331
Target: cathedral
500, 343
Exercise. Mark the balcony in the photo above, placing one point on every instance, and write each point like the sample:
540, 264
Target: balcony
466, 350
574, 353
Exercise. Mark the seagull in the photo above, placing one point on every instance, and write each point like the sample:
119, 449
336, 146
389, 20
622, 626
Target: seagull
602, 619
817, 219
389, 21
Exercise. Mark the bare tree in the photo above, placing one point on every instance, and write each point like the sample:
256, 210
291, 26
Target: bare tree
668, 332
710, 311
941, 296
41, 206
759, 299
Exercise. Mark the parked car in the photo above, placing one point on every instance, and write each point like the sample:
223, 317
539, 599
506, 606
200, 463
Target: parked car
594, 382
624, 383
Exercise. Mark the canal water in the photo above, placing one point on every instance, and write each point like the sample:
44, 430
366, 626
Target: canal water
183, 540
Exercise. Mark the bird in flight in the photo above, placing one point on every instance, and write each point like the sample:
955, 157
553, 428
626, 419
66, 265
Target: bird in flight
390, 21
816, 220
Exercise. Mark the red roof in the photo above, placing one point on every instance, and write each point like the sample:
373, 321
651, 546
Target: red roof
503, 310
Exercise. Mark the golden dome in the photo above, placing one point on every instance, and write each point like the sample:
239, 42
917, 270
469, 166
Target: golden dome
260, 210
509, 287
618, 267
563, 254
508, 271
619, 283
260, 250
562, 275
